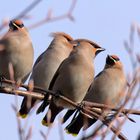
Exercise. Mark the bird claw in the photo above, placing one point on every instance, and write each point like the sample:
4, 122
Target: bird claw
58, 93
80, 106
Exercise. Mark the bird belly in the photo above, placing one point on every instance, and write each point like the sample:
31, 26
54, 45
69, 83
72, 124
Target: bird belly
73, 89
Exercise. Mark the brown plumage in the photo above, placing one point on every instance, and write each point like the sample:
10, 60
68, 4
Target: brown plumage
108, 88
47, 64
17, 53
73, 77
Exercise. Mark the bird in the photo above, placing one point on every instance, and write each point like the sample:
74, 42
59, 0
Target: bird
107, 88
73, 77
46, 65
16, 52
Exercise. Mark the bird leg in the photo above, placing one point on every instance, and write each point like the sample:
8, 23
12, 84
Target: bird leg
78, 109
58, 93
80, 106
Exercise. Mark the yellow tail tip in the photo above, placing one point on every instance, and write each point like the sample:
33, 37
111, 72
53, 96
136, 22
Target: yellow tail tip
44, 123
73, 134
23, 116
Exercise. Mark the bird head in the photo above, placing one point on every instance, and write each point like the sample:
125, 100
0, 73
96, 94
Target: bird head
113, 61
85, 42
15, 25
63, 38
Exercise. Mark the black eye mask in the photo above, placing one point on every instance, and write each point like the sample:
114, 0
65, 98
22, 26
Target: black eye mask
112, 59
11, 25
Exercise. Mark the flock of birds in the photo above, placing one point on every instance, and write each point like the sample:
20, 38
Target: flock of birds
65, 67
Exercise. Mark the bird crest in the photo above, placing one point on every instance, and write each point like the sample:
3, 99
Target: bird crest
89, 41
115, 57
55, 34
17, 23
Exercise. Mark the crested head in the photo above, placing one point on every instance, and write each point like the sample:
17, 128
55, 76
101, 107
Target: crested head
113, 61
115, 57
66, 36
88, 41
16, 24
96, 48
62, 40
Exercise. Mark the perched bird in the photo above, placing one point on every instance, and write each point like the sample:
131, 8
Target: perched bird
73, 77
16, 52
108, 88
46, 66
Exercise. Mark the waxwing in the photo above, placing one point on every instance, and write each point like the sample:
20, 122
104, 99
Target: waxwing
108, 88
46, 66
16, 52
73, 77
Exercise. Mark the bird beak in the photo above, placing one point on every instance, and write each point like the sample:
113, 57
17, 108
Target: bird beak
98, 50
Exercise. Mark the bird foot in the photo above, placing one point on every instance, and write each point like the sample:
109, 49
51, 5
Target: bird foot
58, 93
80, 106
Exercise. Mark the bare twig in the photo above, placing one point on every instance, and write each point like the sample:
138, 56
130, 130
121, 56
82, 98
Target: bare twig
50, 18
41, 96
23, 13
27, 9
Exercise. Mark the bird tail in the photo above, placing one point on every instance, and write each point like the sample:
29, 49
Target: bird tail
44, 104
51, 114
75, 125
67, 115
26, 106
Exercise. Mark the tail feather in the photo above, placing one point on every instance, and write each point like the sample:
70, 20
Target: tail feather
75, 126
43, 105
67, 115
26, 106
22, 115
54, 110
45, 123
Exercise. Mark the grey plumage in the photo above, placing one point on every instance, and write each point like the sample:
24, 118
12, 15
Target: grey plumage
73, 77
47, 64
16, 53
108, 88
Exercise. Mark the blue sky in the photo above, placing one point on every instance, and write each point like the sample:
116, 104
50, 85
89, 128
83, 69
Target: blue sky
105, 22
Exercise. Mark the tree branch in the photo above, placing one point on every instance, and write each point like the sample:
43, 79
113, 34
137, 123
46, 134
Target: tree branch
50, 18
22, 13
87, 109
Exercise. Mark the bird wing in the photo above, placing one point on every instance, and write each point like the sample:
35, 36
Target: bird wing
38, 59
55, 76
2, 45
45, 100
